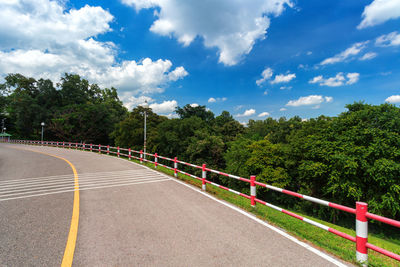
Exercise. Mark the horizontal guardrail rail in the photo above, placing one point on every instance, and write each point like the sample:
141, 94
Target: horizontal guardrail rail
361, 210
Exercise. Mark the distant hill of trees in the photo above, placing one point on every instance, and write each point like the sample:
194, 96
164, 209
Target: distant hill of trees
352, 157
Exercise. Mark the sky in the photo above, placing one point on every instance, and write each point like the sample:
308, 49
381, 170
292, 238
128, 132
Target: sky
255, 59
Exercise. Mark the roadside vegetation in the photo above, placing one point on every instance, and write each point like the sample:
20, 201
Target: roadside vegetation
352, 157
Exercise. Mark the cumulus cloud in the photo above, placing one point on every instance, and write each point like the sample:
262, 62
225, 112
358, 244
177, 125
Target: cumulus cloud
232, 27
131, 101
368, 56
247, 113
338, 80
43, 39
263, 114
265, 75
165, 107
393, 99
283, 109
378, 12
391, 39
281, 78
309, 101
353, 50
194, 105
218, 99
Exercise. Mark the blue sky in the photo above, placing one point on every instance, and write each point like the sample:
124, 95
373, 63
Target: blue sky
252, 58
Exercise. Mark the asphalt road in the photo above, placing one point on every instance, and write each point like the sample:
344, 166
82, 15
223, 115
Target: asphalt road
129, 216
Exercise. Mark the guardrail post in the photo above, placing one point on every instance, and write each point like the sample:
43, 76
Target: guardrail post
130, 154
63, 144
118, 151
99, 148
253, 191
203, 177
108, 150
141, 156
91, 147
361, 233
76, 146
155, 160
175, 167
69, 145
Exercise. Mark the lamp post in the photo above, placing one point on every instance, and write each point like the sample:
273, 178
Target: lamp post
42, 131
145, 106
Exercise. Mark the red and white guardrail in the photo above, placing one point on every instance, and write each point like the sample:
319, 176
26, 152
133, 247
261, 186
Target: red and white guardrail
361, 210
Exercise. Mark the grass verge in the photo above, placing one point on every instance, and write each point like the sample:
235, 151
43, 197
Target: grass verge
328, 242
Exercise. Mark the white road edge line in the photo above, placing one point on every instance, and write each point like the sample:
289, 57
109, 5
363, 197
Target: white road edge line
295, 240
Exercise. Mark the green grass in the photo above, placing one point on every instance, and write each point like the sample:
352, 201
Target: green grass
328, 242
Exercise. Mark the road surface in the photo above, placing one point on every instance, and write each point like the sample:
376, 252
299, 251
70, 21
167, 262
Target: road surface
128, 216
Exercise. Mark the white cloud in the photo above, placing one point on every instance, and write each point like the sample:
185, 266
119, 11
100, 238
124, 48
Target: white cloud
368, 56
194, 105
283, 109
281, 78
338, 80
309, 100
378, 12
42, 39
247, 113
165, 107
391, 39
265, 75
393, 99
352, 78
131, 101
285, 87
355, 49
218, 99
263, 114
231, 26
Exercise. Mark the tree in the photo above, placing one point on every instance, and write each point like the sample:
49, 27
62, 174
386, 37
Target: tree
195, 111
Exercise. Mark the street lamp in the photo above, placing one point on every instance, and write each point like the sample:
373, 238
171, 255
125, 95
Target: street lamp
42, 131
145, 106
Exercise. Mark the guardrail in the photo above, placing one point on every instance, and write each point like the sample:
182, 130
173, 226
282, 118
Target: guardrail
361, 210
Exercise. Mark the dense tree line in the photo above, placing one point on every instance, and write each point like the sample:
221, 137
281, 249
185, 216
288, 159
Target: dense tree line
352, 157
72, 109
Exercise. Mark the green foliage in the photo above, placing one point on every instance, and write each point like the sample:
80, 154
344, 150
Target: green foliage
75, 111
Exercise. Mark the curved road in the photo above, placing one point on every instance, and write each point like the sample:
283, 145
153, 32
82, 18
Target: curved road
129, 216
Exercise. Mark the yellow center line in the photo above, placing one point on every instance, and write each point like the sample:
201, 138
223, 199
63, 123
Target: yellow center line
73, 230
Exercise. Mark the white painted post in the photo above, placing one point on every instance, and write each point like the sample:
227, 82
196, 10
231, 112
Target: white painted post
203, 176
361, 233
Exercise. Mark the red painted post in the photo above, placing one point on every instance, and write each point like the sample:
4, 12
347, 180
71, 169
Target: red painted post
155, 160
361, 233
108, 150
63, 144
141, 156
99, 148
203, 176
91, 147
175, 167
118, 151
130, 154
253, 191
76, 146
